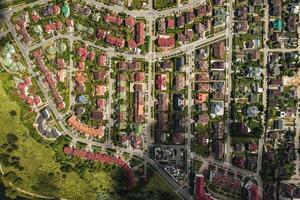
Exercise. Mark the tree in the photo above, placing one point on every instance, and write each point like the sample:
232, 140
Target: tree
18, 182
11, 193
11, 176
46, 184
4, 158
13, 113
11, 138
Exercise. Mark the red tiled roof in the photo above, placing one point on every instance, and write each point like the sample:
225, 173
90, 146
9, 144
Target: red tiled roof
139, 113
113, 19
82, 52
37, 99
100, 90
166, 42
53, 26
132, 44
91, 55
35, 17
102, 60
139, 76
171, 23
81, 66
30, 101
129, 21
140, 33
119, 42
199, 187
55, 9
48, 77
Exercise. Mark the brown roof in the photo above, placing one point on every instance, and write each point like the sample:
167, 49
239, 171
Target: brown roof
163, 102
178, 138
99, 75
97, 115
139, 76
219, 50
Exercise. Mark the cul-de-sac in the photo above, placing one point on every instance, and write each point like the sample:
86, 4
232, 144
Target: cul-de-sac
150, 99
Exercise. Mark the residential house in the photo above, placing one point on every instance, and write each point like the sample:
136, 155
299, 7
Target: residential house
97, 115
180, 21
100, 90
171, 23
163, 102
139, 101
189, 16
178, 102
218, 149
102, 60
115, 41
219, 50
129, 22
74, 122
179, 82
101, 103
275, 8
140, 33
101, 34
114, 19
161, 25
161, 81
166, 42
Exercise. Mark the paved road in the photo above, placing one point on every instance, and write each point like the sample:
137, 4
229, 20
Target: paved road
148, 57
189, 83
265, 85
296, 176
109, 109
229, 36
297, 145
148, 14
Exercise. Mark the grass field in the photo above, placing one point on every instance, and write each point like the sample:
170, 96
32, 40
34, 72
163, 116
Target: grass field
159, 188
164, 4
156, 184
